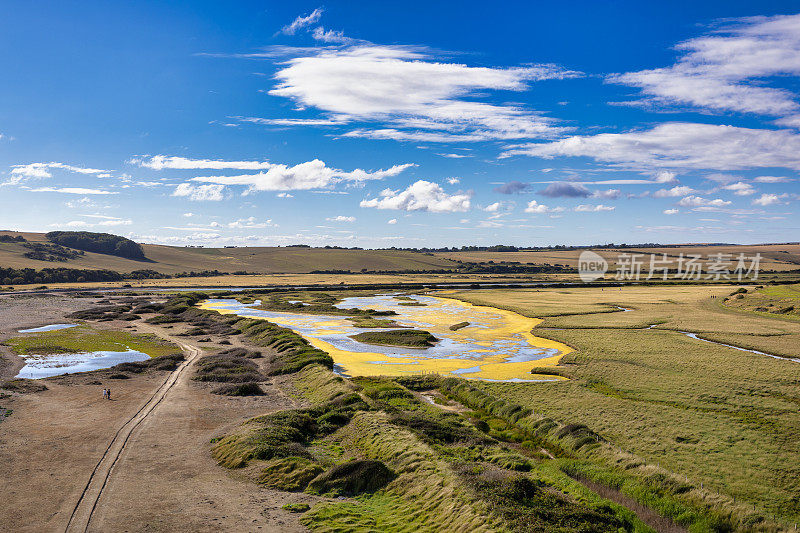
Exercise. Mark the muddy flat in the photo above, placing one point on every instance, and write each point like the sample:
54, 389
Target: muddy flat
161, 478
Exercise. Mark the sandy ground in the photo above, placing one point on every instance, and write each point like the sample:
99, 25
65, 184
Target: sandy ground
164, 478
21, 311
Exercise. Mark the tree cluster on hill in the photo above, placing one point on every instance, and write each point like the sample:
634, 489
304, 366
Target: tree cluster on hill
101, 243
50, 252
12, 238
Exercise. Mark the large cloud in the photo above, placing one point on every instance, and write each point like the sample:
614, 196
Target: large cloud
420, 196
679, 145
725, 70
426, 99
313, 174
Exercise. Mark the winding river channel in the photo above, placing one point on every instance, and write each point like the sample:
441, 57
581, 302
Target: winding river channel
497, 345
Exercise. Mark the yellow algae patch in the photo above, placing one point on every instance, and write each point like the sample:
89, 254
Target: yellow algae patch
491, 341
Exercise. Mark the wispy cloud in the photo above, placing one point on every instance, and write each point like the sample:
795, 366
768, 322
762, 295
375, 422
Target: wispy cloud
20, 173
586, 208
72, 190
161, 162
302, 21
679, 145
200, 193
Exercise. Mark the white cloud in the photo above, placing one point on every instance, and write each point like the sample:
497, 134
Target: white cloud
199, 193
188, 214
491, 208
284, 195
331, 36
679, 190
699, 201
792, 121
679, 145
455, 156
594, 208
740, 188
537, 208
115, 222
250, 222
309, 175
333, 121
302, 22
161, 162
453, 181
671, 211
393, 134
665, 176
21, 173
420, 196
30, 171
341, 218
405, 86
392, 221
770, 199
72, 190
772, 179
609, 194
108, 222
725, 70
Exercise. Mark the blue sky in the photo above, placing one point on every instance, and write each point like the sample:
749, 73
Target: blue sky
382, 124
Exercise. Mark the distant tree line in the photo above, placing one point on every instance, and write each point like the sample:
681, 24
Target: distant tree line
101, 243
21, 276
466, 268
12, 238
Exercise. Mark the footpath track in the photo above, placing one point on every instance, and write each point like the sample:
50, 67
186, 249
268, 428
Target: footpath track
81, 515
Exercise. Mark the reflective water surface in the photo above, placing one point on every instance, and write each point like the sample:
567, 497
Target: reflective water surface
45, 366
496, 345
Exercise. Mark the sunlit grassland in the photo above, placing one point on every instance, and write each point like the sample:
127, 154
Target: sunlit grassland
720, 416
87, 339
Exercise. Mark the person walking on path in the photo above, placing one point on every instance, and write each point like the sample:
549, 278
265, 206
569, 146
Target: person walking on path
105, 394
108, 393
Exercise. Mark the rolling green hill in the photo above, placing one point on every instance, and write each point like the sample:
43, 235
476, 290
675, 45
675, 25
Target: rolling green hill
174, 259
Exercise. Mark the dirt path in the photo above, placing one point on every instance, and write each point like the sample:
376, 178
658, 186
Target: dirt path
185, 489
81, 515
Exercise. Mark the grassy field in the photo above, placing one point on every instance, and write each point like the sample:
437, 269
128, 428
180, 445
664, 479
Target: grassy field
265, 260
87, 339
778, 257
719, 416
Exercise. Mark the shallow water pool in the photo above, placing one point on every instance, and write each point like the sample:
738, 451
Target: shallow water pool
496, 345
50, 327
45, 366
